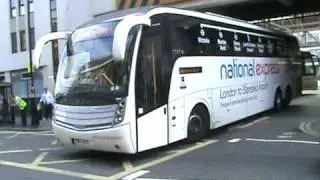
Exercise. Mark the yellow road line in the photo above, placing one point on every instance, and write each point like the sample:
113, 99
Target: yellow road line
39, 158
52, 170
62, 161
172, 151
161, 160
127, 165
97, 177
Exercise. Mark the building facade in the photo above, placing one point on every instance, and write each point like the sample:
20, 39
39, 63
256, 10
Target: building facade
45, 16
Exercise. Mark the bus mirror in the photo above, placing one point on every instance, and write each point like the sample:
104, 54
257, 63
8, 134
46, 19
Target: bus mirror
43, 41
121, 34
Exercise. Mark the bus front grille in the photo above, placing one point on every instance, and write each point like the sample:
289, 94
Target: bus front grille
84, 118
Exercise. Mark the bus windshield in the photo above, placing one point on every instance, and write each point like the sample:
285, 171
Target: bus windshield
88, 75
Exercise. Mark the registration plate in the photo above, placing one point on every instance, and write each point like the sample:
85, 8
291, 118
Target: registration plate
79, 141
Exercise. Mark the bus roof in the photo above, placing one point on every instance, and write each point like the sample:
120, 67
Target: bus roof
154, 10
118, 14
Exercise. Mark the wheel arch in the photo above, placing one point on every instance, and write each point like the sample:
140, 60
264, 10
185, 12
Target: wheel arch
191, 104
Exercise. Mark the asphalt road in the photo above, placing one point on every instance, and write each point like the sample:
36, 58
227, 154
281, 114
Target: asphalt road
268, 146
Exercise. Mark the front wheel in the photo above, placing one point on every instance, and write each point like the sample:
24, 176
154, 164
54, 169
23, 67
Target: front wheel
198, 125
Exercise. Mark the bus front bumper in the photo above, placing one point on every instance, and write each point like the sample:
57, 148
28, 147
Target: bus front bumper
115, 139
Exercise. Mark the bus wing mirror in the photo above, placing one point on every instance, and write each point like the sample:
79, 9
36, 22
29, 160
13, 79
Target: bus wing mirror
121, 34
43, 41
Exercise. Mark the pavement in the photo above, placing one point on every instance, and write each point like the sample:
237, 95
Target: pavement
44, 125
268, 146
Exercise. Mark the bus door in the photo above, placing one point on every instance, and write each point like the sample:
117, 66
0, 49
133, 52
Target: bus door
151, 101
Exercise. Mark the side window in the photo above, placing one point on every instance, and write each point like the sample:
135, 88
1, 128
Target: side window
271, 47
262, 47
250, 44
183, 36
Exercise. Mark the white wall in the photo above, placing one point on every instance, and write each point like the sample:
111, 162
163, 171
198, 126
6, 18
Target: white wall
72, 13
99, 7
5, 45
42, 27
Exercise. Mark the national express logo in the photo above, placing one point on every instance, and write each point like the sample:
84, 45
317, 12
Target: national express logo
242, 70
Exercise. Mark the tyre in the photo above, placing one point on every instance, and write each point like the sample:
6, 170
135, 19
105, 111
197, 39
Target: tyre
198, 124
288, 97
278, 101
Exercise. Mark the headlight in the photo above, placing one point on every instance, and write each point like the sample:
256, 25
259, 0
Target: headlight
119, 117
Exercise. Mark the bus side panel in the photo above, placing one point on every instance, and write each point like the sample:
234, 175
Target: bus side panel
186, 90
233, 97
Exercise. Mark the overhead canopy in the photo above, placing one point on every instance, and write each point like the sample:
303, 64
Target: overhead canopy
242, 9
263, 9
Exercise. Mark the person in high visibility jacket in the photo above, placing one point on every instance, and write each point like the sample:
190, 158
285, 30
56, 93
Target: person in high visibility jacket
22, 104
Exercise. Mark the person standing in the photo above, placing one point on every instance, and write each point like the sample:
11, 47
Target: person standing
47, 100
22, 104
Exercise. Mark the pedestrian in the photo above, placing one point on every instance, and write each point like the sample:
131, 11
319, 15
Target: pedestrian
22, 104
47, 101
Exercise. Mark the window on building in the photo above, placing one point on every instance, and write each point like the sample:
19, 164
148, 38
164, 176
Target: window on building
2, 77
22, 7
32, 38
53, 15
13, 9
23, 40
14, 46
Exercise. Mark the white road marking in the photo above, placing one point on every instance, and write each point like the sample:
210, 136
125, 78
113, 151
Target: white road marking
12, 136
288, 133
305, 127
28, 150
28, 132
50, 149
254, 122
284, 137
282, 140
135, 175
234, 140
15, 151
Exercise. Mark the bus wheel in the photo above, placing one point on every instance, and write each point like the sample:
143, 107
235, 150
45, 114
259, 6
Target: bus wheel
288, 97
198, 125
278, 101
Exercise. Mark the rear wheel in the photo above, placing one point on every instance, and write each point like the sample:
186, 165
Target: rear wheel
198, 125
278, 101
288, 97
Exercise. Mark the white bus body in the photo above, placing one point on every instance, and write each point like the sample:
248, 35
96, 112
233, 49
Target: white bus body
184, 73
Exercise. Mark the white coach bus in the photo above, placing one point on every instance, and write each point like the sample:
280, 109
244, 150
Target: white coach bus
138, 79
